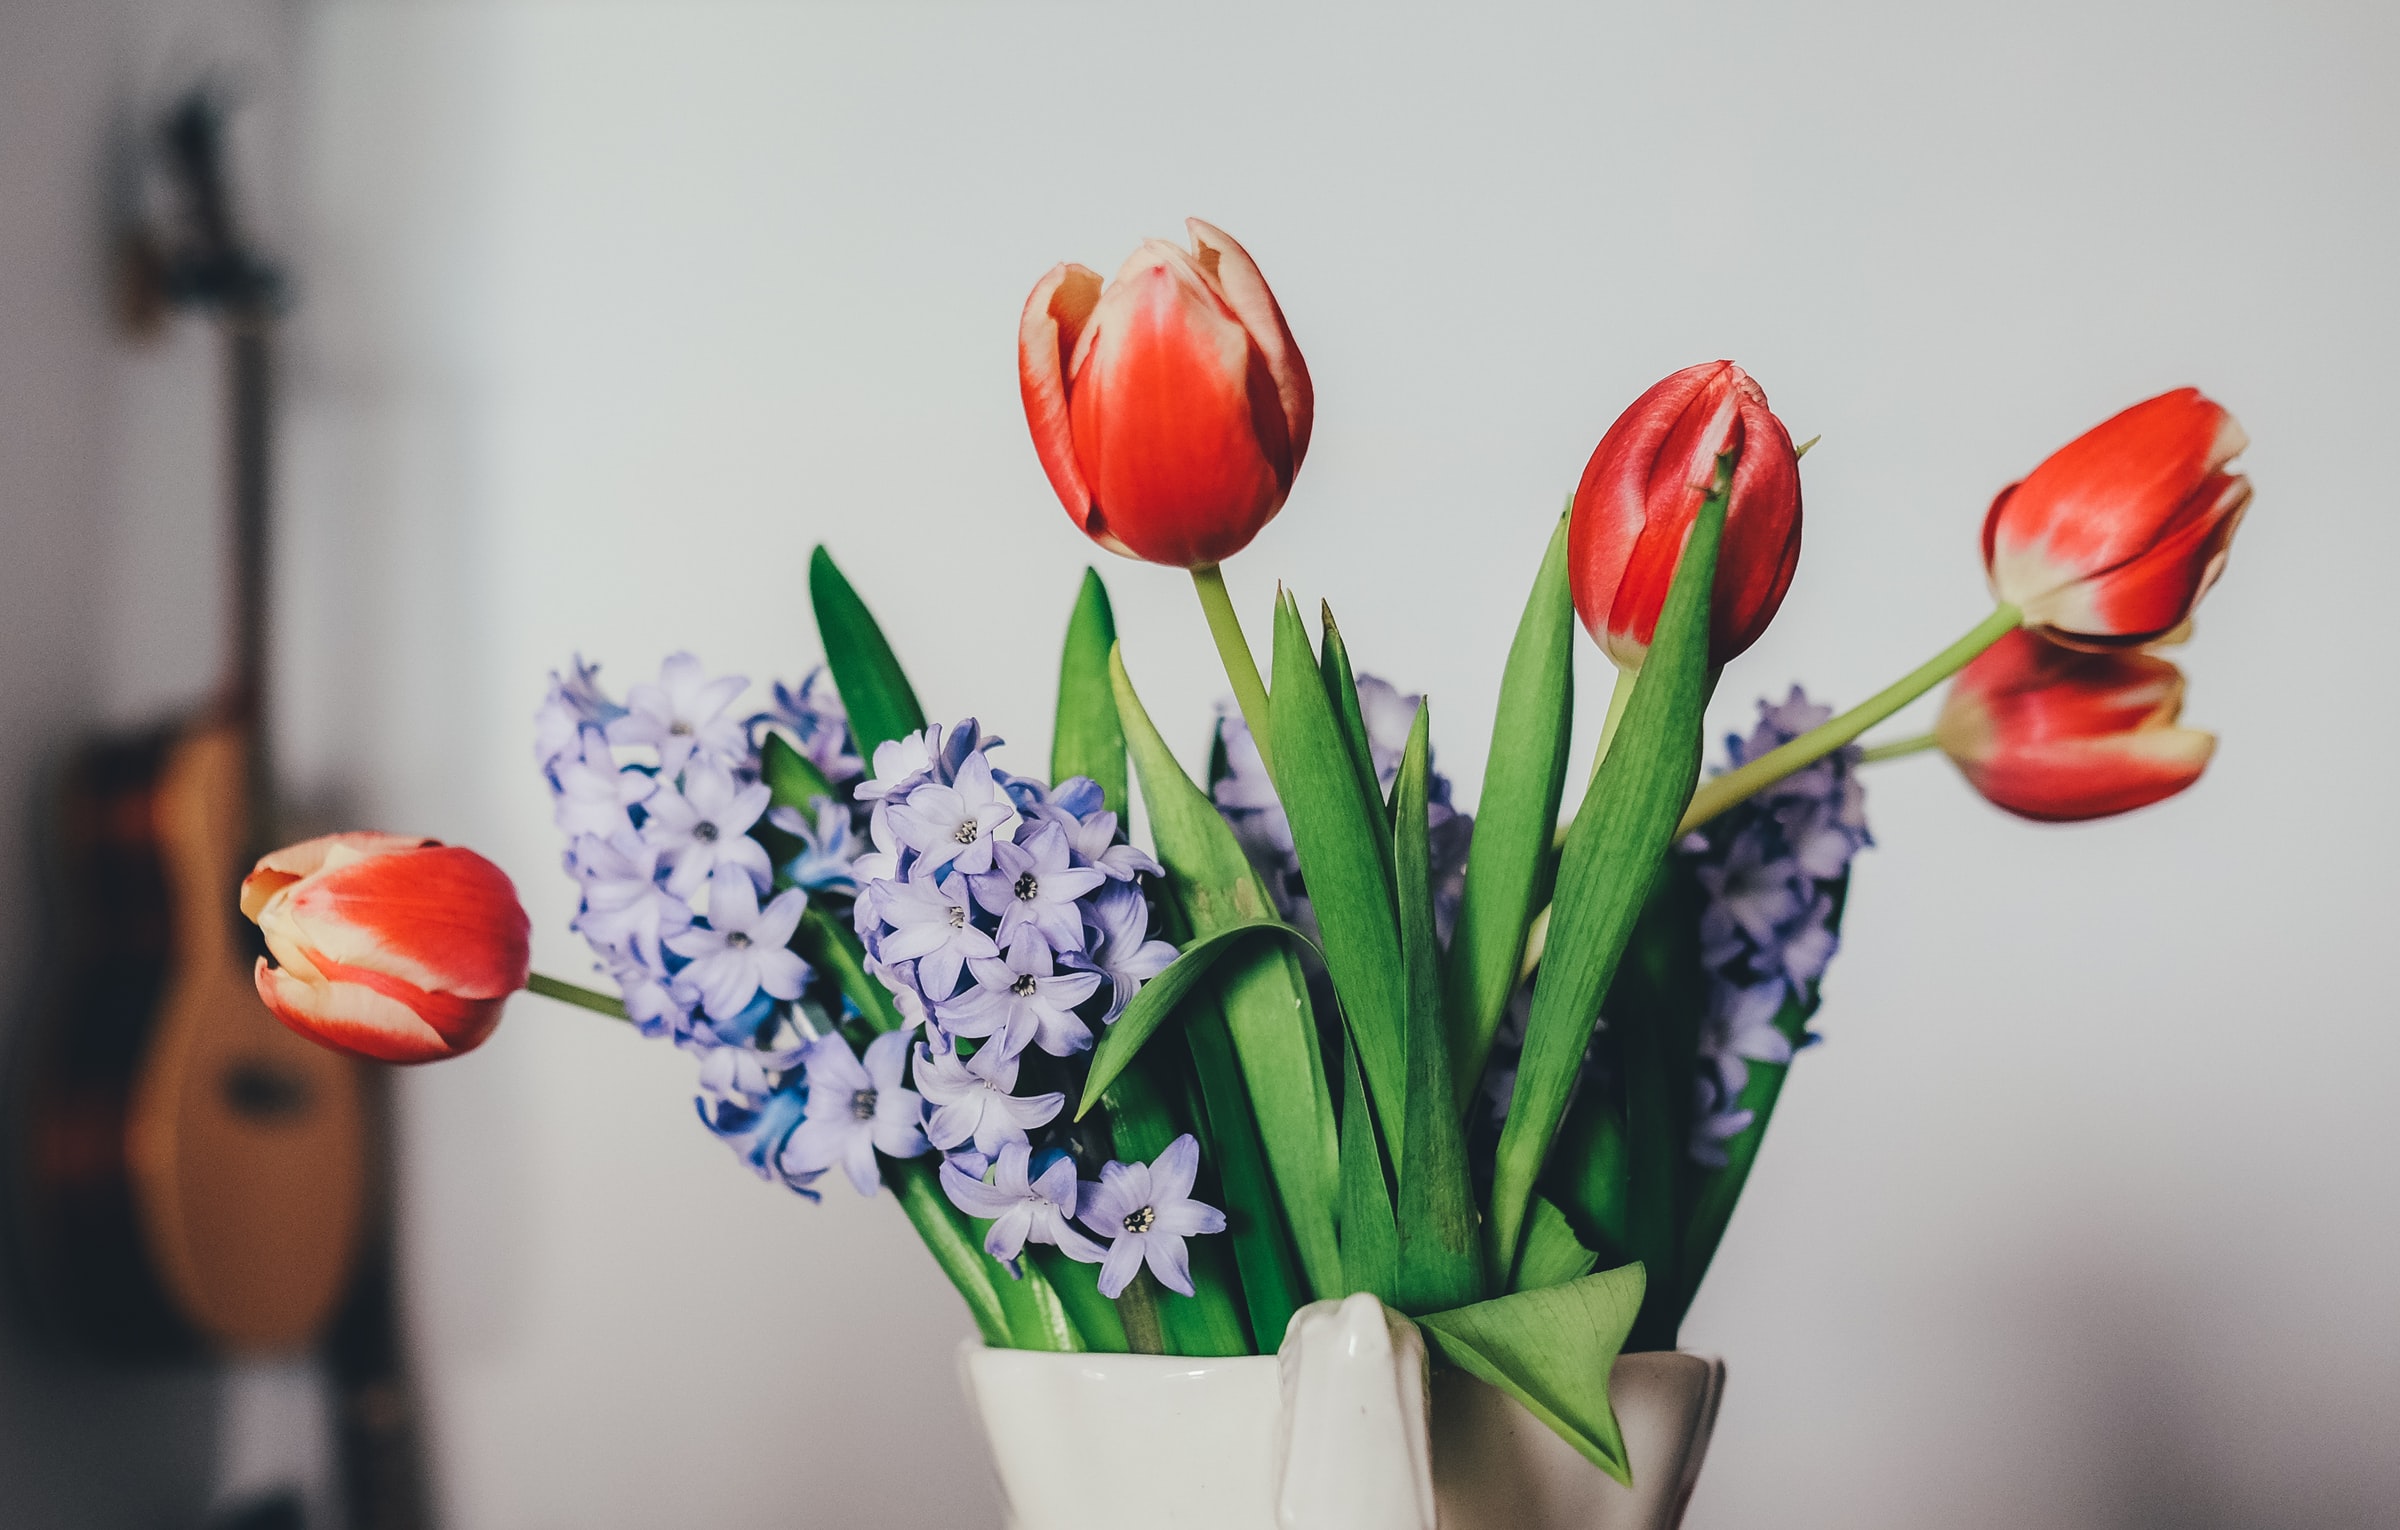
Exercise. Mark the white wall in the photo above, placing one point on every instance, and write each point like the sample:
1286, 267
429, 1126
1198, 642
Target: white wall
2084, 1213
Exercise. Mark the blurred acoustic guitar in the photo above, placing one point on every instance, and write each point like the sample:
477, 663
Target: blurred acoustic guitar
192, 1177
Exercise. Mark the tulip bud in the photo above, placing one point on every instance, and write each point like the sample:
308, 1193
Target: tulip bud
398, 949
1171, 410
2113, 540
2059, 734
1643, 489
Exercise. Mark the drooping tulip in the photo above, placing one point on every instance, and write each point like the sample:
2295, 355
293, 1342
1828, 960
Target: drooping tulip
403, 950
1644, 487
2113, 540
1170, 408
2061, 734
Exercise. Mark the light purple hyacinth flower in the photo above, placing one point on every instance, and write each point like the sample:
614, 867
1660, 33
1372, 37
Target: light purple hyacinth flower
705, 825
856, 1110
1018, 999
1035, 886
594, 793
625, 910
933, 926
682, 714
829, 847
969, 1107
955, 825
1023, 1207
1094, 838
1120, 948
742, 948
1146, 1210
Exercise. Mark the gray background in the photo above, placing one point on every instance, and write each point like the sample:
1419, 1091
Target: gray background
2083, 1215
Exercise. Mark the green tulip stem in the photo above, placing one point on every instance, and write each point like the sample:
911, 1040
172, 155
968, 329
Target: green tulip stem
1736, 786
1619, 697
1249, 691
569, 993
1898, 748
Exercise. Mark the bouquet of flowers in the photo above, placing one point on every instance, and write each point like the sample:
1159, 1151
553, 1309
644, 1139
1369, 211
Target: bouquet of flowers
1316, 1030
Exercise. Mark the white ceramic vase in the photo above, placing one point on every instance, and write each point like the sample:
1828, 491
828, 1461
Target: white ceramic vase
1339, 1431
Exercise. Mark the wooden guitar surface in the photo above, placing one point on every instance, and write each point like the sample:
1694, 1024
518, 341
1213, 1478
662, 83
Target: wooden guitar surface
246, 1146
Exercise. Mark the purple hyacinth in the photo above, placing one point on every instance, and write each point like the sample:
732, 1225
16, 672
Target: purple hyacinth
1146, 1210
1023, 1206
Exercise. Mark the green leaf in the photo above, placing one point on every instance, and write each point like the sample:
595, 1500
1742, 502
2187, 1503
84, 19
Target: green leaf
1440, 1263
1089, 741
1370, 1241
1341, 690
1337, 828
955, 1246
1151, 1007
1553, 1254
1718, 1189
1589, 1173
1262, 990
830, 945
1606, 870
874, 690
1509, 862
792, 778
1552, 1350
1655, 1007
1142, 1122
1095, 1317
1272, 1286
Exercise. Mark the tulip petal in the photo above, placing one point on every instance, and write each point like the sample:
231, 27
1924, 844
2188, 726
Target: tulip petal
278, 869
440, 918
353, 1018
1235, 277
1047, 335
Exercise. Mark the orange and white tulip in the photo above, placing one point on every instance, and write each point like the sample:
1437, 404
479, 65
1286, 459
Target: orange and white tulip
1170, 409
2061, 735
399, 949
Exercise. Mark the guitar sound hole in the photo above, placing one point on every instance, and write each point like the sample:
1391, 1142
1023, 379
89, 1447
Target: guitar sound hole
264, 1094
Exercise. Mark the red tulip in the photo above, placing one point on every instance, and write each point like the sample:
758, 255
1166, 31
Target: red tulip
399, 949
2060, 734
1171, 410
2113, 540
1644, 487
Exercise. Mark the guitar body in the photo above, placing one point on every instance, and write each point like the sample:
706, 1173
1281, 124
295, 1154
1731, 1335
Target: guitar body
247, 1144
196, 1172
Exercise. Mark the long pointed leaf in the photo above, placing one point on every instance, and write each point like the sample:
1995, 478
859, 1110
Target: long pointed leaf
1606, 870
1264, 994
1157, 1001
1089, 741
1341, 689
1272, 1286
1336, 827
1552, 1350
1440, 1262
874, 690
1508, 864
1370, 1241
